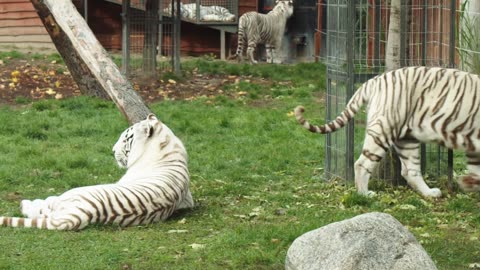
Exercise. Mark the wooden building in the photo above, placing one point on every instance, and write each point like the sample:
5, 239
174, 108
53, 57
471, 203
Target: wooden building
21, 27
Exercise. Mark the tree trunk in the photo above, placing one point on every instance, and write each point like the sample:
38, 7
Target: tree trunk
392, 55
90, 65
469, 41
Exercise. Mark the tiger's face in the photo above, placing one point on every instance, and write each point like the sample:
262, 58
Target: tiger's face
133, 138
122, 147
286, 6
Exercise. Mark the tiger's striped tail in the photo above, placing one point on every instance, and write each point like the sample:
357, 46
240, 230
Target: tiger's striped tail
20, 222
351, 109
240, 43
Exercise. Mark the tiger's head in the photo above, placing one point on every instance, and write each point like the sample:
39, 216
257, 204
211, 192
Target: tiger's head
132, 142
285, 6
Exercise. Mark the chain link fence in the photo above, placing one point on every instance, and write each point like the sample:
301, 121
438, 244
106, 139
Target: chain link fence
432, 33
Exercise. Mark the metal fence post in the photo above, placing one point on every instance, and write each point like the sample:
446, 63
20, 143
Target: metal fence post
350, 130
176, 40
125, 37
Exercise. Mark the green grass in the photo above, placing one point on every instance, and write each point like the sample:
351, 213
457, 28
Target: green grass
256, 177
7, 55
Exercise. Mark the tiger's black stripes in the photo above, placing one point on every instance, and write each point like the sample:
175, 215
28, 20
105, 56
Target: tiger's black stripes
155, 185
412, 105
255, 28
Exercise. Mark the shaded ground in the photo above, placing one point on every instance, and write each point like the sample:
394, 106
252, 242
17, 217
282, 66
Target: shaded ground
22, 81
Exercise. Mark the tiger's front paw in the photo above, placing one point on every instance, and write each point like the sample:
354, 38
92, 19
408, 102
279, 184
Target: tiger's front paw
433, 193
368, 194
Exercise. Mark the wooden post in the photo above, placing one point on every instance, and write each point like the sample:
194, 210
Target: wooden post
90, 65
222, 44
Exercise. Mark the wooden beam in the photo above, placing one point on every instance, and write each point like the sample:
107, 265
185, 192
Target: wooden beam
90, 65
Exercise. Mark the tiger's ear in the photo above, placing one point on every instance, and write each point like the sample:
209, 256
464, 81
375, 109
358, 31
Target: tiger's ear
149, 130
151, 116
152, 119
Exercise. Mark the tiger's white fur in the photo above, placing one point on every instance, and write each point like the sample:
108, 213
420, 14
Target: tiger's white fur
412, 105
207, 13
255, 28
155, 184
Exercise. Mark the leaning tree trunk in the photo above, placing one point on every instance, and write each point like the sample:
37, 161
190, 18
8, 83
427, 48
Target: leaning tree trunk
392, 54
91, 67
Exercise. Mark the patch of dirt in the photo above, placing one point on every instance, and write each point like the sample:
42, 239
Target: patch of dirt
24, 80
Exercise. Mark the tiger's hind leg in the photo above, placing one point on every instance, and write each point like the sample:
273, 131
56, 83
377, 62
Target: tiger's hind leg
408, 153
251, 50
471, 182
371, 156
270, 51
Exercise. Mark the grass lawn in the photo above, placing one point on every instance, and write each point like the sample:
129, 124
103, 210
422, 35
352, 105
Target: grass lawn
256, 178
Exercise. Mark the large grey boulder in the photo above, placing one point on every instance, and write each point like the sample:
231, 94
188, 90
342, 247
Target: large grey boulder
369, 241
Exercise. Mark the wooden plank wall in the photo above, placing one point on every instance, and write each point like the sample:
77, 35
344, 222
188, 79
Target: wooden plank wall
21, 27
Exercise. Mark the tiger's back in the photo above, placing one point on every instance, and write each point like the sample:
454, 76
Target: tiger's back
255, 28
412, 105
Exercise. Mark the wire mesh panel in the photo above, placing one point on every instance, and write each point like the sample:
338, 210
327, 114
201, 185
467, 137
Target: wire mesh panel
337, 77
150, 38
211, 12
356, 33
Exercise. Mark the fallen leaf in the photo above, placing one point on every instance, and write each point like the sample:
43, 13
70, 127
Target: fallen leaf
182, 221
15, 73
58, 96
425, 235
177, 231
50, 91
407, 207
171, 81
197, 246
474, 266
57, 84
280, 212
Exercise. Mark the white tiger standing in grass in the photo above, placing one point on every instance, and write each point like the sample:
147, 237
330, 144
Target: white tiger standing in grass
255, 28
155, 185
412, 105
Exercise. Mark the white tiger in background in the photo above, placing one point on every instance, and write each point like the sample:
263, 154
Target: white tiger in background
255, 28
155, 184
207, 13
412, 105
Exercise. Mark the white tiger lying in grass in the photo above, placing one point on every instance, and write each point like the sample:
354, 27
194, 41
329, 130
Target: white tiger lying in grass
155, 185
412, 105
